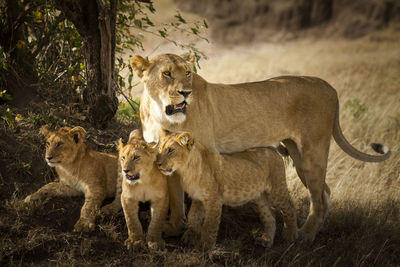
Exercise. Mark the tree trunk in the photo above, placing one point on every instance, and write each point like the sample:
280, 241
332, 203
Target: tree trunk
95, 23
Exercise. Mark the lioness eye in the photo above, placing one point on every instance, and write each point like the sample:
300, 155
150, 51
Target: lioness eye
59, 144
167, 74
135, 158
170, 150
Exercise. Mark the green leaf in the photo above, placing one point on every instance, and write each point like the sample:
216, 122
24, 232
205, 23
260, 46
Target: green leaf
179, 17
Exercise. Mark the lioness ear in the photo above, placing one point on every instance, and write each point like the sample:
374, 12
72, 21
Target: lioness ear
189, 57
45, 130
186, 140
78, 133
135, 134
139, 65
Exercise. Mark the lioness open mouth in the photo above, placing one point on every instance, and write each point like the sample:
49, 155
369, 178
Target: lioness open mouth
172, 109
132, 178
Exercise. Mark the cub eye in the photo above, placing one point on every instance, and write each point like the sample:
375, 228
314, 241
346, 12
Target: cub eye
123, 157
167, 74
188, 73
136, 158
47, 143
59, 144
170, 150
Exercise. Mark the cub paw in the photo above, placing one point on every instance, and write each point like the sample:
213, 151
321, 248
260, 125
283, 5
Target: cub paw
31, 198
156, 245
264, 240
289, 235
190, 238
172, 229
205, 245
83, 226
110, 209
135, 245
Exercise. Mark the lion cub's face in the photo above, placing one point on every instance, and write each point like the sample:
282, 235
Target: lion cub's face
62, 145
168, 80
174, 152
136, 158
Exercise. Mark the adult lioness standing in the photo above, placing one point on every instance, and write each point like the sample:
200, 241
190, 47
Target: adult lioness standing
302, 112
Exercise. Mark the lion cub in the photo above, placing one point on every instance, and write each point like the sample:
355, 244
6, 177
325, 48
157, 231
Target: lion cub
212, 180
80, 169
142, 181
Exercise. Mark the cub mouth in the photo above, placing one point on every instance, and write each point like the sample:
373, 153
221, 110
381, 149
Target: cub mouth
166, 171
132, 178
172, 109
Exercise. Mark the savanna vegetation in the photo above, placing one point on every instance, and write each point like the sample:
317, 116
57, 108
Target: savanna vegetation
44, 78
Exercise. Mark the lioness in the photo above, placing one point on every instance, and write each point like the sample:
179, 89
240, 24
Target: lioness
142, 181
80, 169
213, 180
302, 112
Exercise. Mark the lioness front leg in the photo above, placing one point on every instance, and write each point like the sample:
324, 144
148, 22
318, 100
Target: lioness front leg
93, 201
195, 218
51, 190
135, 232
176, 222
160, 210
212, 218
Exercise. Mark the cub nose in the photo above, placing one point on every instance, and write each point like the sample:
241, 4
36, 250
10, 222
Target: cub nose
158, 164
185, 93
49, 158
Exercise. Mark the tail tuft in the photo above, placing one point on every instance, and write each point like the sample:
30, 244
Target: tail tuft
379, 148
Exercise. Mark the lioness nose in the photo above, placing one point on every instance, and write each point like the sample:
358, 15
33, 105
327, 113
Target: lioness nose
126, 171
184, 93
49, 158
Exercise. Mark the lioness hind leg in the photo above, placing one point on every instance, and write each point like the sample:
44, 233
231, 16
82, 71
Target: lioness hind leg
268, 219
176, 222
314, 162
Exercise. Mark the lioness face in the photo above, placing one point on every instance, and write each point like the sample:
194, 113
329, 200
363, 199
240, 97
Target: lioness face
62, 145
168, 81
136, 159
174, 152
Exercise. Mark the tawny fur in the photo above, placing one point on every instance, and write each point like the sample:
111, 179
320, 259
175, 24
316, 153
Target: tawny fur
213, 180
80, 170
300, 111
138, 158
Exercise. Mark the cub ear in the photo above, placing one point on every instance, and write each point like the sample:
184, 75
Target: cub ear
139, 65
45, 130
135, 134
119, 144
186, 139
189, 57
78, 133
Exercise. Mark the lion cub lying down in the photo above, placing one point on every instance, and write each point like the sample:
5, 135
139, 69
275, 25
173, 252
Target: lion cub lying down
81, 170
212, 180
142, 181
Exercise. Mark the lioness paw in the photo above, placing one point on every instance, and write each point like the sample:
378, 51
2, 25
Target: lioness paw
83, 226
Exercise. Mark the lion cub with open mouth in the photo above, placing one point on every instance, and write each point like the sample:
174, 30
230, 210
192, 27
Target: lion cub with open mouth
212, 180
142, 181
81, 170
